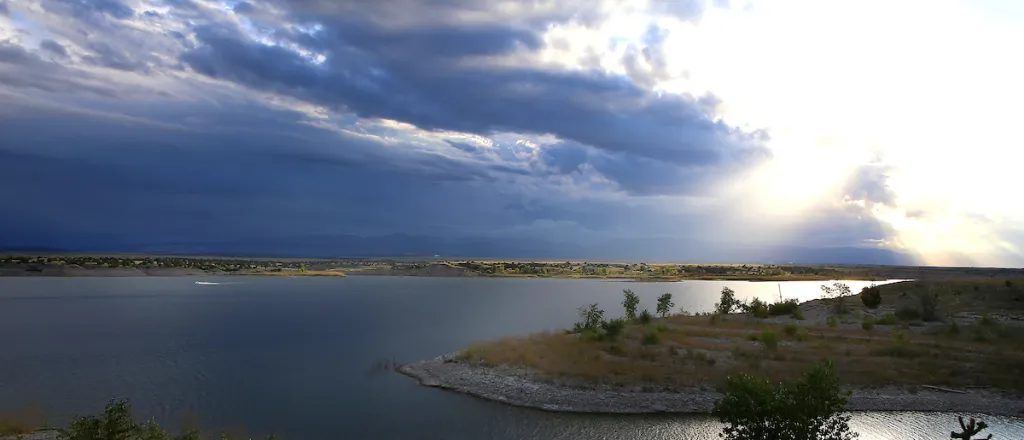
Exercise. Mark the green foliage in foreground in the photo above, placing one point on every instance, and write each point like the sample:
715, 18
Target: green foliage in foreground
753, 408
116, 423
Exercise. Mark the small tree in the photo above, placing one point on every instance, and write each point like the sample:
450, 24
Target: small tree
836, 293
754, 408
590, 317
727, 303
665, 304
630, 301
871, 296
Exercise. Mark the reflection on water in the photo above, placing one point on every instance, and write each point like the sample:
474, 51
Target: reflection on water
291, 355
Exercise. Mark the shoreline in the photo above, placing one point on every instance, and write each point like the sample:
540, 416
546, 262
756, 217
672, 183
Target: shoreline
513, 386
178, 273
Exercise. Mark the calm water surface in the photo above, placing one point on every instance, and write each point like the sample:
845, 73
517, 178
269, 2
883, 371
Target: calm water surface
294, 355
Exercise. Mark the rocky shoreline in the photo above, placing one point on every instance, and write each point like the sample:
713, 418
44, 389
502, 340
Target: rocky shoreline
514, 386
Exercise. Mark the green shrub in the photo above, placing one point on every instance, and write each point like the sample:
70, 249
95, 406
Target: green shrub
769, 339
645, 317
728, 302
753, 408
613, 328
832, 321
797, 314
887, 319
787, 307
871, 297
590, 318
908, 313
791, 329
757, 308
867, 323
650, 338
988, 321
801, 334
117, 423
836, 294
929, 306
665, 305
954, 328
629, 303
898, 350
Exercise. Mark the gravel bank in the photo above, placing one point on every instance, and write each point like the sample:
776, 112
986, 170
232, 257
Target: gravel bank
513, 386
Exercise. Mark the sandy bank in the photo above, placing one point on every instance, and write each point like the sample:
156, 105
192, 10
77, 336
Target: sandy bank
513, 386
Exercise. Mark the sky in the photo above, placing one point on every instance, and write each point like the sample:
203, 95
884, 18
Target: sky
670, 129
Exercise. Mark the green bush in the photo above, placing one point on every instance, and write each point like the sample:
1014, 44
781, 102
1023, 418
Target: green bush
988, 321
887, 319
665, 305
757, 308
753, 408
797, 314
769, 339
871, 297
954, 328
787, 307
117, 423
867, 323
728, 302
645, 317
832, 321
929, 306
629, 302
908, 313
791, 329
612, 329
590, 318
836, 294
650, 338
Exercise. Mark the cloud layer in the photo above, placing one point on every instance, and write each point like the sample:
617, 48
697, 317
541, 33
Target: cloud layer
164, 122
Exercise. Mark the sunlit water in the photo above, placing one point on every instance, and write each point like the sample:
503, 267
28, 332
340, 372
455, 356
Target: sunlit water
294, 355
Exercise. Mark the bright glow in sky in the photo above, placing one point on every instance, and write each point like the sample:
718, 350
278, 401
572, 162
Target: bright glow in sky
929, 88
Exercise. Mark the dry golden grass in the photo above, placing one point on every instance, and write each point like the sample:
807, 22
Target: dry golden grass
22, 421
692, 351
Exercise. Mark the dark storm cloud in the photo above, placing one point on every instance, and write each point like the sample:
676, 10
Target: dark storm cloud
565, 157
54, 47
469, 148
20, 68
413, 76
275, 150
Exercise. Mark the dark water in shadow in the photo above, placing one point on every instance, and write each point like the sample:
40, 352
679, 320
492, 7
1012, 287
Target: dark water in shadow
294, 355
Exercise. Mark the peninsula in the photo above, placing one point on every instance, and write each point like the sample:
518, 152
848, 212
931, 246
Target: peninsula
950, 345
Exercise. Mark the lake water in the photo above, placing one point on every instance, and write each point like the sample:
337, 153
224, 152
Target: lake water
294, 355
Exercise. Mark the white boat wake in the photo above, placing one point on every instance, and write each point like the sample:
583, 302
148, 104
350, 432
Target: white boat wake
210, 283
